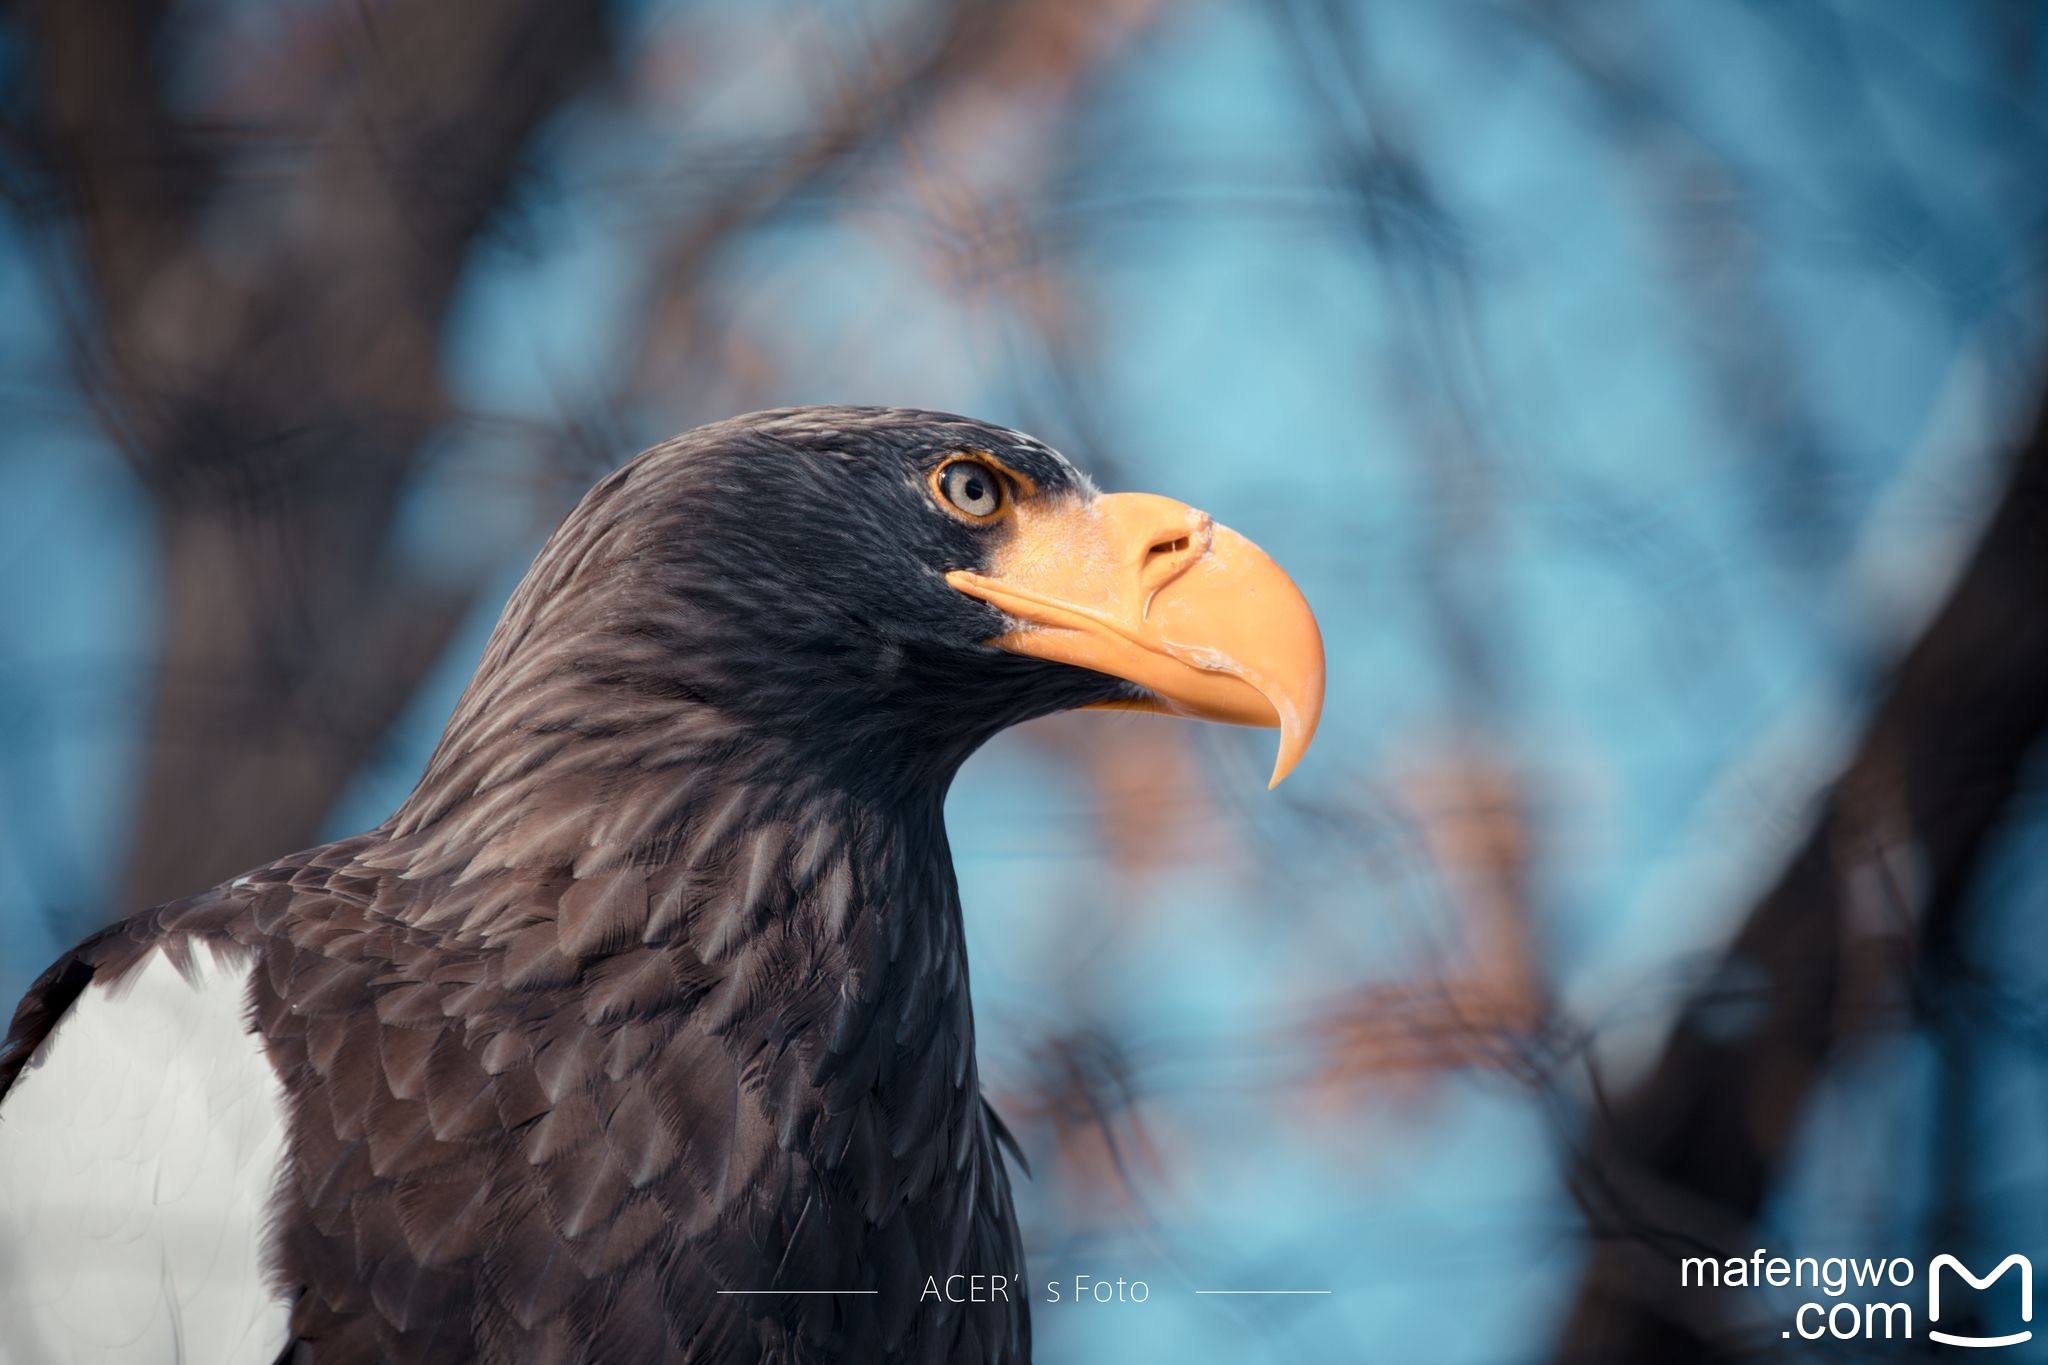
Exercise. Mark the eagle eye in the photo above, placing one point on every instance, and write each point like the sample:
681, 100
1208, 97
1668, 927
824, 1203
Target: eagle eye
971, 488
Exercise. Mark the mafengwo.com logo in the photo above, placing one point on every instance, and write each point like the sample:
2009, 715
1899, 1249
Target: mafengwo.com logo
1863, 1307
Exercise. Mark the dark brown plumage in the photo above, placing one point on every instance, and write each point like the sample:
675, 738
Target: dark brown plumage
645, 993
655, 987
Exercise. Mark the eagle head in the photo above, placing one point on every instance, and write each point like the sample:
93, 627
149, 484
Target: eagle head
872, 593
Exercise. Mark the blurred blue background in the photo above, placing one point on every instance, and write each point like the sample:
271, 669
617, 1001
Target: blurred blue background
1626, 385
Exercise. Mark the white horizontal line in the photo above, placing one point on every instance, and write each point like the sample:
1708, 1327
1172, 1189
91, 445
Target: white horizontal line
799, 1291
1262, 1291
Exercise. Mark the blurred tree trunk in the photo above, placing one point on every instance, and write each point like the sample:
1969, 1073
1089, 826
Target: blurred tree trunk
264, 348
1682, 1164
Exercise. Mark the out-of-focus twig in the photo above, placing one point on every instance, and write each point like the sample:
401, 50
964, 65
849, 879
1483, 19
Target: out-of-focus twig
1486, 1005
1681, 1164
1079, 1093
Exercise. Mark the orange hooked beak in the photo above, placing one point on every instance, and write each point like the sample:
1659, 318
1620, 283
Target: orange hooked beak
1152, 591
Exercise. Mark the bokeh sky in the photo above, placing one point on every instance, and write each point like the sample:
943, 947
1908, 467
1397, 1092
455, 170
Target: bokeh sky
1622, 405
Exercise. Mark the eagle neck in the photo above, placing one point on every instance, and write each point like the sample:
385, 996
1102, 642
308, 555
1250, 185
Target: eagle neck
826, 926
812, 925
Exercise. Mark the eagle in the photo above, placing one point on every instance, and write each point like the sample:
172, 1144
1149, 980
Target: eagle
641, 1030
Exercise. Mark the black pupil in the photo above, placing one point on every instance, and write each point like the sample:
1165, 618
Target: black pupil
971, 489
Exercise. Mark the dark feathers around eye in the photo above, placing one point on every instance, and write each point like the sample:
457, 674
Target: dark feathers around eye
801, 555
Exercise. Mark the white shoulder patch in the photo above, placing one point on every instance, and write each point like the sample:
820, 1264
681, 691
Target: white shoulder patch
139, 1150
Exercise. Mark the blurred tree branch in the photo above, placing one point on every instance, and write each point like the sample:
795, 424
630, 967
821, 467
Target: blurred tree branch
274, 401
1684, 1162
